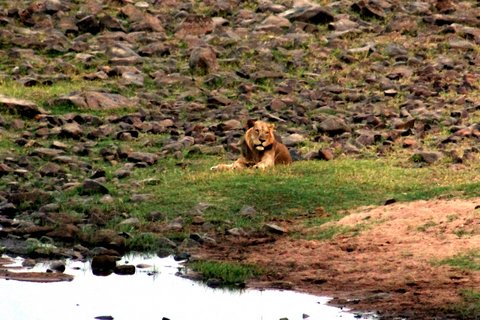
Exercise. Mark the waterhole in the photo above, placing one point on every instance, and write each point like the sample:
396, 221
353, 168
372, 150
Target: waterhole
155, 291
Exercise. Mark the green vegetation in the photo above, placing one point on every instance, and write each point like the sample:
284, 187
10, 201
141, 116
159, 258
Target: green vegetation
230, 274
424, 227
285, 192
469, 308
41, 94
464, 261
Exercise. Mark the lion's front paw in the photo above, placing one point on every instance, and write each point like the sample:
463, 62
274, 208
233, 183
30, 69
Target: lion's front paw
221, 167
261, 166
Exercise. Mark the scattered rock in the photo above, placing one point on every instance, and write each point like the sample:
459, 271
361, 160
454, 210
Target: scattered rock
8, 210
90, 187
427, 156
333, 126
371, 8
125, 270
310, 13
293, 140
94, 100
23, 108
148, 158
203, 60
103, 264
58, 266
275, 229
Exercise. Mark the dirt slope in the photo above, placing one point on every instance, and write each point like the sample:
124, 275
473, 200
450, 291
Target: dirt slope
388, 267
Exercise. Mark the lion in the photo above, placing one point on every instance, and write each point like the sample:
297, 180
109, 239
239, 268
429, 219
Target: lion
260, 148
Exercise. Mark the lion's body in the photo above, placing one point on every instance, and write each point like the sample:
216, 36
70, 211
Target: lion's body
261, 148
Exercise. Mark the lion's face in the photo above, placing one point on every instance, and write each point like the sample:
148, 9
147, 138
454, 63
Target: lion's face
260, 135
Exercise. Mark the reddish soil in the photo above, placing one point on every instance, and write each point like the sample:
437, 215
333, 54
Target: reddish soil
387, 266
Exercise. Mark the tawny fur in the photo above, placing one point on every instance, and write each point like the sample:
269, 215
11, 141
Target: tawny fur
260, 148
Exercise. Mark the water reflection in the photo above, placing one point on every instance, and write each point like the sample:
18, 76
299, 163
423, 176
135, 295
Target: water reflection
152, 293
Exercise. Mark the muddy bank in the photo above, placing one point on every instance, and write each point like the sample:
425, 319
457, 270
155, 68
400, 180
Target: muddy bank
388, 265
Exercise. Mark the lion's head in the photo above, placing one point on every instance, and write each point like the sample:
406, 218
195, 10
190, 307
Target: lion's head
260, 135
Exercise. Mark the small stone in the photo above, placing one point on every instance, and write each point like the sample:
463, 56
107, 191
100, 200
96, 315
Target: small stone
214, 283
293, 140
181, 256
51, 169
389, 201
125, 270
58, 266
59, 145
93, 187
8, 209
232, 124
273, 228
25, 108
371, 9
203, 60
409, 143
390, 92
148, 158
248, 211
311, 14
103, 264
325, 154
333, 126
71, 130
130, 222
239, 232
29, 263
5, 169
427, 156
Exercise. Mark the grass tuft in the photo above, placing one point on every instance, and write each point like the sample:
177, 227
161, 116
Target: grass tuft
230, 274
464, 261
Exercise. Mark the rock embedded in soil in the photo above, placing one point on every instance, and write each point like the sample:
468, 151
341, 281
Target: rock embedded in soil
71, 130
427, 156
203, 60
310, 13
90, 187
8, 210
148, 158
333, 126
24, 108
94, 100
275, 229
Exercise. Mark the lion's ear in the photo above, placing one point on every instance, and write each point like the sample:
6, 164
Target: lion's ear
250, 123
271, 126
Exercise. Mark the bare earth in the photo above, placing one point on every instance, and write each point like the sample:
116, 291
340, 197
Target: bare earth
387, 266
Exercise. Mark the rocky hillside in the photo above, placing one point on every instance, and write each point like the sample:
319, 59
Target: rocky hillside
337, 77
130, 82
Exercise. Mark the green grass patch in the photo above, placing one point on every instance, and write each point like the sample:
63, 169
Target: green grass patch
282, 192
464, 261
143, 242
328, 233
427, 225
469, 307
41, 94
230, 274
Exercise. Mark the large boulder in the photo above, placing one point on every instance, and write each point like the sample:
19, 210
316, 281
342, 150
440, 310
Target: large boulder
24, 108
94, 100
